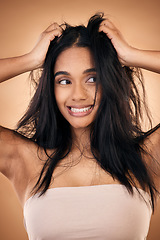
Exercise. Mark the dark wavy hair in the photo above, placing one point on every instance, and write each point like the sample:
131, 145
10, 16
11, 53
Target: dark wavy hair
116, 136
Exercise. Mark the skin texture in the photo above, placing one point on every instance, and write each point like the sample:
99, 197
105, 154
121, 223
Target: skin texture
11, 67
76, 87
128, 55
18, 156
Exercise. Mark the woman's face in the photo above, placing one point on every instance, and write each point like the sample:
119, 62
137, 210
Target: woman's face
75, 86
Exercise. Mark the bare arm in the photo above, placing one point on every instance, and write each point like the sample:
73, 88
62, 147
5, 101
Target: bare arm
8, 150
11, 67
128, 55
14, 148
11, 141
18, 160
146, 59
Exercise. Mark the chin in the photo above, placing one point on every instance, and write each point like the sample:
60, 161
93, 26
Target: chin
80, 125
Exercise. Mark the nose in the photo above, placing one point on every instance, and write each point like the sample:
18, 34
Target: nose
79, 92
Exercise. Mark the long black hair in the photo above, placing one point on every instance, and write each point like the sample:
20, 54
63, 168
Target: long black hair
116, 135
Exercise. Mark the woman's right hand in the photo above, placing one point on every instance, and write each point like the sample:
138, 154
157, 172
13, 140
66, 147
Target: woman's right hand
39, 52
11, 67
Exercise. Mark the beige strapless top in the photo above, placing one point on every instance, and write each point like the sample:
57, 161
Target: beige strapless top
100, 212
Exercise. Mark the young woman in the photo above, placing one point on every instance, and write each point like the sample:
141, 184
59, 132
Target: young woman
79, 161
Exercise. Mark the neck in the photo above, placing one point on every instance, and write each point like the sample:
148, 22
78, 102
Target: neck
81, 138
81, 148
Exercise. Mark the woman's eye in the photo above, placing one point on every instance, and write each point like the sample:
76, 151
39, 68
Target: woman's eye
92, 80
64, 82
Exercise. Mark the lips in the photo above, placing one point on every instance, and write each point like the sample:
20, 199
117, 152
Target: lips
80, 111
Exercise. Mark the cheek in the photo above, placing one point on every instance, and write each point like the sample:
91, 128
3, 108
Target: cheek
91, 94
60, 96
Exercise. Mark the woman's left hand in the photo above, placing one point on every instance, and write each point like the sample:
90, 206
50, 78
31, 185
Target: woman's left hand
130, 56
124, 50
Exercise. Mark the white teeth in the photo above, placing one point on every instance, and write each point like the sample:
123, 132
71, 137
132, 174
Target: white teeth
76, 110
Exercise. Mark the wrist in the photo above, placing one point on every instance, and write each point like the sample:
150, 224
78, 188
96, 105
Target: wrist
130, 58
133, 57
32, 61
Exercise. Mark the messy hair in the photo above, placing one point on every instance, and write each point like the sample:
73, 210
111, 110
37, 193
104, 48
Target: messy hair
116, 136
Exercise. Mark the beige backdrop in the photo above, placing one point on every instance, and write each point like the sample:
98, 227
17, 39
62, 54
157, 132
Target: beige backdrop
21, 22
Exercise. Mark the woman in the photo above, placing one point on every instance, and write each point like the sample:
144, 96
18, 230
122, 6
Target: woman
79, 161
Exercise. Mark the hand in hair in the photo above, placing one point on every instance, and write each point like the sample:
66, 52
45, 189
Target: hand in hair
40, 50
128, 55
122, 47
11, 67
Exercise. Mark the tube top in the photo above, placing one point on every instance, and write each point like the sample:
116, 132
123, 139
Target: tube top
101, 212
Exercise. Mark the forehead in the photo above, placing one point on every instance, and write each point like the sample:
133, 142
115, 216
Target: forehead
73, 59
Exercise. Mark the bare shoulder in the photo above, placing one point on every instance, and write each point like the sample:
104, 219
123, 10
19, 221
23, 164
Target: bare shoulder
19, 161
14, 148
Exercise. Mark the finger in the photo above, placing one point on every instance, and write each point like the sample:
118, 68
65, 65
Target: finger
52, 27
54, 33
63, 26
108, 23
108, 31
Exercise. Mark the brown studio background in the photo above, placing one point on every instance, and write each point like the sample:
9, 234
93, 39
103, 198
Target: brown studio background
21, 22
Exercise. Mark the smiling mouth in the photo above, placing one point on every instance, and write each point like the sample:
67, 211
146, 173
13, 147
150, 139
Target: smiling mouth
80, 109
77, 111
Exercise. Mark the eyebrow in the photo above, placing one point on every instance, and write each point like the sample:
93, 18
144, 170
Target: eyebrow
68, 74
